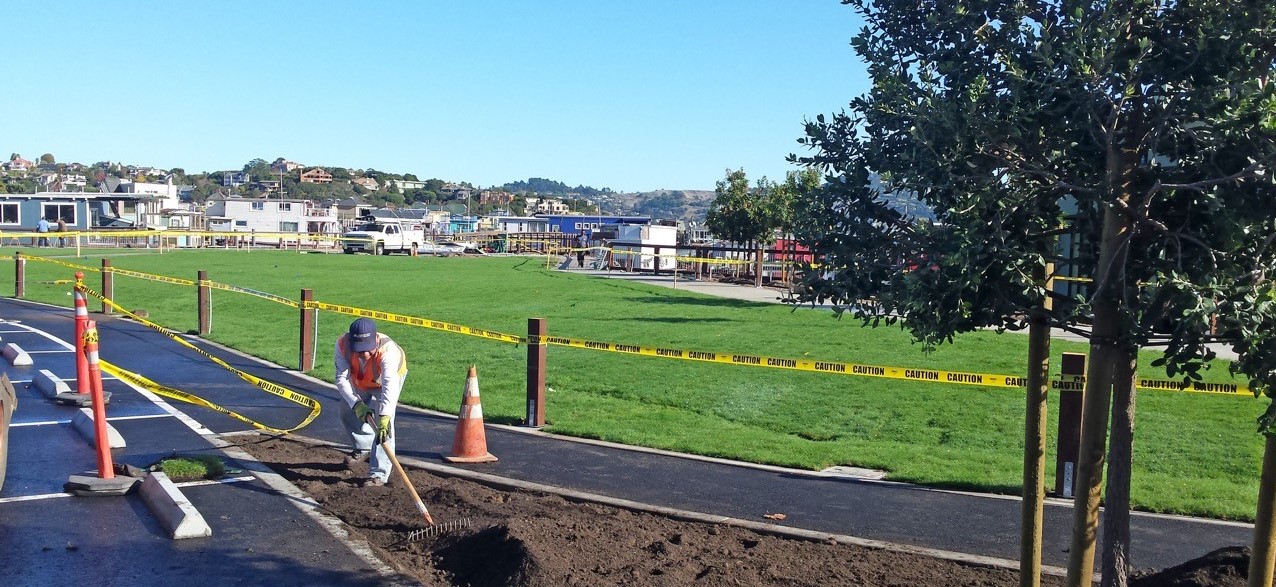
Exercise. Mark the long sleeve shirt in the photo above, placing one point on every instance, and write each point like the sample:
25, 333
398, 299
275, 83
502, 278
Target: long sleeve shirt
391, 382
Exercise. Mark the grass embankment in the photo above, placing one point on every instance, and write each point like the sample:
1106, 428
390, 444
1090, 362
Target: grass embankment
1194, 453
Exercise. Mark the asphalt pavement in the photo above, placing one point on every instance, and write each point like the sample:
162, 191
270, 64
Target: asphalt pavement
260, 533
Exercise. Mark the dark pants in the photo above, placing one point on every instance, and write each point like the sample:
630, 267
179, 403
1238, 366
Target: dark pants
580, 258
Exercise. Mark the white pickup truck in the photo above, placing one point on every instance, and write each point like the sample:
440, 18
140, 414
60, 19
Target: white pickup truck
383, 238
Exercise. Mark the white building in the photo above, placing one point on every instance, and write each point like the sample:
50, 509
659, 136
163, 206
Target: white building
233, 214
640, 243
512, 224
545, 206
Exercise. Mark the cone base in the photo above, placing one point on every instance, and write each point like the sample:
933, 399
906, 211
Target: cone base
483, 458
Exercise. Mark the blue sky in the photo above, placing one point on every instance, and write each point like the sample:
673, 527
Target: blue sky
629, 95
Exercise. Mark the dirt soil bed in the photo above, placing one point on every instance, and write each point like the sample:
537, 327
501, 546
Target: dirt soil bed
519, 538
543, 540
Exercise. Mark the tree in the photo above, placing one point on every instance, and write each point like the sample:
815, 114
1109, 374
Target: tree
737, 213
341, 173
48, 159
258, 170
1145, 128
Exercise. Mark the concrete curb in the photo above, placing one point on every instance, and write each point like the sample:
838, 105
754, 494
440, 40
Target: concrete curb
16, 356
49, 384
83, 421
171, 507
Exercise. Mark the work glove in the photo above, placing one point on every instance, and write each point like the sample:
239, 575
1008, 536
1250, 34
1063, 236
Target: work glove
383, 429
361, 411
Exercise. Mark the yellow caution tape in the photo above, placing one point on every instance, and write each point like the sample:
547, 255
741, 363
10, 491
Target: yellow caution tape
415, 321
841, 368
1077, 383
60, 262
150, 276
252, 292
834, 367
267, 386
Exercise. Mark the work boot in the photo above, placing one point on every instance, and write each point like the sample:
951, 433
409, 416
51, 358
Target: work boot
373, 482
355, 456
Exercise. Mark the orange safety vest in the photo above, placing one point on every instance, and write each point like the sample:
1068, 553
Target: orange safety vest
369, 378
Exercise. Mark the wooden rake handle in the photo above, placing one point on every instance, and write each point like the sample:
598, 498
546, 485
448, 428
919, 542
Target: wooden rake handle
420, 505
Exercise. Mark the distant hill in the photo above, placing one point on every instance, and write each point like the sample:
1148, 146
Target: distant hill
549, 187
660, 204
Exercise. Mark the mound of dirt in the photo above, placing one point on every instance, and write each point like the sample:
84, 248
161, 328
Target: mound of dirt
541, 540
1225, 567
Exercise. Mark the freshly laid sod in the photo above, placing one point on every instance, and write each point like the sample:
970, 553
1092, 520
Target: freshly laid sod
194, 468
1194, 453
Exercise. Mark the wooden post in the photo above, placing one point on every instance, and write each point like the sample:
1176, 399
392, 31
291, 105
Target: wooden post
19, 276
536, 331
1071, 394
757, 267
204, 299
108, 286
309, 325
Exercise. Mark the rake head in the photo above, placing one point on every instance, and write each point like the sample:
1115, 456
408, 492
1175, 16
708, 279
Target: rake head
437, 529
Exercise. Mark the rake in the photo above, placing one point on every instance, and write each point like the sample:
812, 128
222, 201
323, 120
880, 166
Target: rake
420, 505
436, 530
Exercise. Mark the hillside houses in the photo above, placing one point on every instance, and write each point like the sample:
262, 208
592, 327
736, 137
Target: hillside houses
316, 175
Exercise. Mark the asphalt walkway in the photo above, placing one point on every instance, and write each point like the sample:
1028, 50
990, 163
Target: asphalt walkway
262, 530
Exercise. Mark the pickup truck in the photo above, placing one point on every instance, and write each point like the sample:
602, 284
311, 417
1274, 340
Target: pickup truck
383, 238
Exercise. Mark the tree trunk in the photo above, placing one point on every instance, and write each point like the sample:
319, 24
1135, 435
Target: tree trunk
1034, 449
1116, 510
1262, 560
1094, 429
1105, 351
1108, 346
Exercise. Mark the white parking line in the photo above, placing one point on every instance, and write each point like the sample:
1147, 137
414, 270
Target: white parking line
183, 484
104, 378
109, 419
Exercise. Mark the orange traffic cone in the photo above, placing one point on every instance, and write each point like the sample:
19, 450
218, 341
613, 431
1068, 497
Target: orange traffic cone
469, 445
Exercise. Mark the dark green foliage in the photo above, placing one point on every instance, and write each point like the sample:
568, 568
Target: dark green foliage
1016, 121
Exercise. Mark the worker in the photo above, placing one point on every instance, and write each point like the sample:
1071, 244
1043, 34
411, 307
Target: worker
582, 245
370, 369
42, 228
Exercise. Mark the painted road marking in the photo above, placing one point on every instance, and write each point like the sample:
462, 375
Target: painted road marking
109, 419
41, 496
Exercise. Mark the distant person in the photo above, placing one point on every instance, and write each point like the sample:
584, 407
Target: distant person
61, 229
370, 369
42, 228
582, 243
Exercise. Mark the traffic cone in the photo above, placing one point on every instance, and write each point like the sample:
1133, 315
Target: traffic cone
82, 383
469, 444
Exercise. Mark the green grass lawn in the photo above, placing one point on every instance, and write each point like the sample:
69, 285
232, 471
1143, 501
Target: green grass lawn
1194, 453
